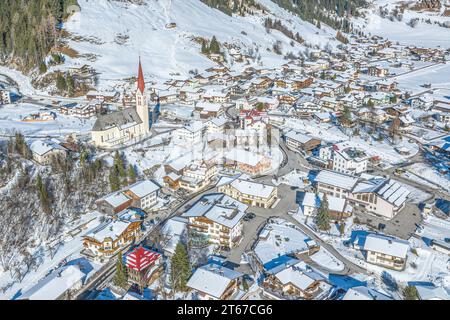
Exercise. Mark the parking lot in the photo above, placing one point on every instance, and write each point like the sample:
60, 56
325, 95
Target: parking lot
403, 225
252, 227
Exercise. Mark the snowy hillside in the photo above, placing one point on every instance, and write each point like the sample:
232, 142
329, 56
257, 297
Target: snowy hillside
116, 32
402, 22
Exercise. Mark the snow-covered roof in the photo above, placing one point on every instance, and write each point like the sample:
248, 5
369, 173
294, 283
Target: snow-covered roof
218, 121
194, 126
219, 208
279, 239
252, 188
212, 279
299, 137
116, 199
226, 216
173, 229
370, 185
336, 179
111, 230
55, 284
42, 147
209, 107
143, 188
432, 293
334, 204
296, 277
364, 293
386, 245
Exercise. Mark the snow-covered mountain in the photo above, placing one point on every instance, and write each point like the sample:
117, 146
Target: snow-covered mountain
415, 22
110, 35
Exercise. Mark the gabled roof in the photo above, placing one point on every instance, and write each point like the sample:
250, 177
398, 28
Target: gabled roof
143, 188
42, 147
386, 245
364, 293
432, 293
55, 284
299, 137
212, 279
116, 199
219, 208
334, 204
393, 192
340, 180
118, 119
252, 188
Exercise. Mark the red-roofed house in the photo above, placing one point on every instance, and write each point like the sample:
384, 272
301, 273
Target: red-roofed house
143, 266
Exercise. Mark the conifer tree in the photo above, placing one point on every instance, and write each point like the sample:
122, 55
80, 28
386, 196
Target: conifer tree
214, 46
180, 270
323, 215
42, 67
70, 85
43, 194
121, 276
61, 84
118, 163
131, 174
410, 293
114, 180
346, 114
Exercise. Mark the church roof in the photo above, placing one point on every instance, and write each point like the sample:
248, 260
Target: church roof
120, 119
141, 81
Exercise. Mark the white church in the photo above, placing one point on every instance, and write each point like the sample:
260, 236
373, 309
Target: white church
129, 124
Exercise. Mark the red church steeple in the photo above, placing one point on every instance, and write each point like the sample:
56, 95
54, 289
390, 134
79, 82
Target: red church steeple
141, 82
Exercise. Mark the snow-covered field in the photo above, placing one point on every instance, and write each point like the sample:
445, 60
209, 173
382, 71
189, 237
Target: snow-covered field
436, 75
427, 172
417, 179
11, 115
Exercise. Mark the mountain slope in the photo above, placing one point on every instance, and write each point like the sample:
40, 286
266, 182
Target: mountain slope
409, 22
109, 35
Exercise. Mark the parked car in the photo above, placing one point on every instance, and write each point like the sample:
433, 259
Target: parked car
249, 216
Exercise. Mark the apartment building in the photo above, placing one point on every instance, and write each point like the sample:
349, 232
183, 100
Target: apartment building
197, 176
218, 218
335, 184
252, 193
377, 195
297, 142
380, 196
189, 134
144, 194
345, 160
107, 240
384, 251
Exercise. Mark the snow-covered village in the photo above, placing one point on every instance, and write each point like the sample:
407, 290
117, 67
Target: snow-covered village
225, 150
